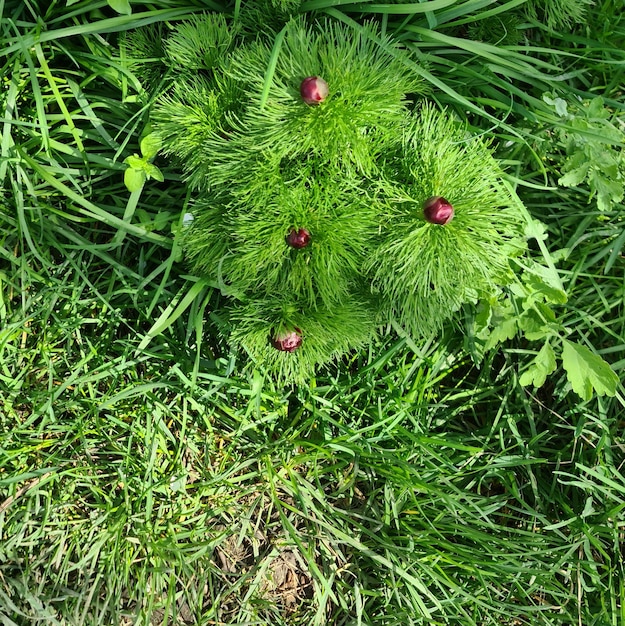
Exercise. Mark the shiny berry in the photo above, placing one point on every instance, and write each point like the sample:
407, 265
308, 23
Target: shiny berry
298, 238
287, 341
437, 210
314, 90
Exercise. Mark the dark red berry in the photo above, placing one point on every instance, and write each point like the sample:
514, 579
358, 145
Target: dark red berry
314, 90
287, 341
437, 210
298, 238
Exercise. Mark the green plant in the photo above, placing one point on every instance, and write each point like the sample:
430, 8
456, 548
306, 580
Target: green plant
143, 480
556, 14
353, 171
590, 138
141, 168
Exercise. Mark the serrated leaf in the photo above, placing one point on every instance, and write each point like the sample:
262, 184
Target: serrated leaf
532, 325
546, 312
478, 331
153, 172
609, 192
504, 324
482, 318
606, 161
604, 202
548, 292
535, 230
121, 6
538, 322
587, 371
543, 364
574, 177
150, 145
134, 179
577, 159
546, 281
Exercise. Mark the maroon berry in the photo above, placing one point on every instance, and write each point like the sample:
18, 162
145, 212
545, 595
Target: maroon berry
298, 238
287, 341
437, 210
314, 90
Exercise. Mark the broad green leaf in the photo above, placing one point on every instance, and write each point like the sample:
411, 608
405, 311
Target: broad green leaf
574, 177
482, 318
543, 364
577, 159
546, 312
536, 230
550, 294
606, 161
478, 330
153, 172
596, 108
587, 371
121, 6
504, 323
538, 322
609, 192
546, 281
135, 161
532, 325
558, 103
134, 179
150, 145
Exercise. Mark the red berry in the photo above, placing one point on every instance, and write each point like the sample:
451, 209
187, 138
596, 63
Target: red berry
287, 341
314, 90
437, 210
298, 238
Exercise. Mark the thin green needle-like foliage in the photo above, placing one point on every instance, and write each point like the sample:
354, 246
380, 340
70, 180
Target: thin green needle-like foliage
267, 163
425, 271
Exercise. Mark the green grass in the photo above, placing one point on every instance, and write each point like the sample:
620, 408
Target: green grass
147, 477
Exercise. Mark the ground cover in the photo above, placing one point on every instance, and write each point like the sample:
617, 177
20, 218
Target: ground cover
149, 475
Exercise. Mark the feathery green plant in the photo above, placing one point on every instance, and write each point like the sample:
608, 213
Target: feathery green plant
200, 43
557, 14
248, 246
353, 172
423, 272
328, 333
369, 87
368, 90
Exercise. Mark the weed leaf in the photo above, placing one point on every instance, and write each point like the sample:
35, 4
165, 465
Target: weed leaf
153, 172
574, 177
150, 145
543, 364
135, 161
134, 179
587, 371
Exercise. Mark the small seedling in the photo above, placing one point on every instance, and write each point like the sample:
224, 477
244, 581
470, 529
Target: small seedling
141, 168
